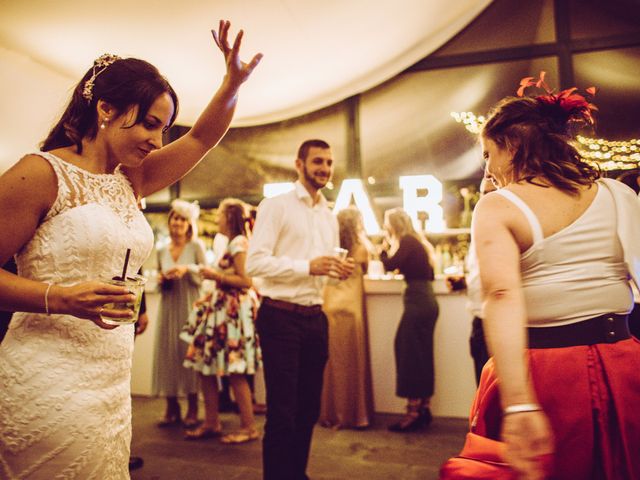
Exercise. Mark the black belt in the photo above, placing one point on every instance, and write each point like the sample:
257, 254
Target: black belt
304, 310
608, 328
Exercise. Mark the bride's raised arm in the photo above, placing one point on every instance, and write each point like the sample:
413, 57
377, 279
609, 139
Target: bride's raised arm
168, 164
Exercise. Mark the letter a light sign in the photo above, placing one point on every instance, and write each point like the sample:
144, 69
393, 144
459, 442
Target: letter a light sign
412, 200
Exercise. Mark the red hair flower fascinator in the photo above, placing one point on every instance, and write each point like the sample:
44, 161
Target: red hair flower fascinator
576, 106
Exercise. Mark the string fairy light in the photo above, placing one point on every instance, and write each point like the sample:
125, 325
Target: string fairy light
607, 154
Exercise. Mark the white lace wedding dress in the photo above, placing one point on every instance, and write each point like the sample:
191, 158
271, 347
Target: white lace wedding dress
65, 405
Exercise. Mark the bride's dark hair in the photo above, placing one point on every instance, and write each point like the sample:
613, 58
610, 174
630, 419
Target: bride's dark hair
123, 84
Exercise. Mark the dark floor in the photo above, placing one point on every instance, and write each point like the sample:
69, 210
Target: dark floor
372, 454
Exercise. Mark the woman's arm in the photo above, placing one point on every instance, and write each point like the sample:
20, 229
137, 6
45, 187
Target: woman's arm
361, 255
27, 192
170, 163
527, 434
402, 255
238, 278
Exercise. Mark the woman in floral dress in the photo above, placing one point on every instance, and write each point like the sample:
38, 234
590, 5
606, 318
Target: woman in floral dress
221, 331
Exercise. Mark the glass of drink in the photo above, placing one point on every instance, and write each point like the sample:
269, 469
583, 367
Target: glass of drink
135, 285
341, 254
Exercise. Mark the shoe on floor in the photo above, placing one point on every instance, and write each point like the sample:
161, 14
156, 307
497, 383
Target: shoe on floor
241, 436
202, 433
135, 463
412, 422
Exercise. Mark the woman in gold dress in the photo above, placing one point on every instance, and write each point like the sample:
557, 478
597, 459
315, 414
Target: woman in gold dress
347, 397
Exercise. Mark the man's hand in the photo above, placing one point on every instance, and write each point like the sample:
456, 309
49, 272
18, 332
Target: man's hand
329, 265
346, 268
323, 265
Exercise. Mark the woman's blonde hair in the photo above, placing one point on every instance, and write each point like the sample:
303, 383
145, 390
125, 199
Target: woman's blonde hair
402, 225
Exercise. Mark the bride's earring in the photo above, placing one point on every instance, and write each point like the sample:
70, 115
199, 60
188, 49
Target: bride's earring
105, 122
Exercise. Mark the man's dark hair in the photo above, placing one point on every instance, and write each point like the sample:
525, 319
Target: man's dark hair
303, 151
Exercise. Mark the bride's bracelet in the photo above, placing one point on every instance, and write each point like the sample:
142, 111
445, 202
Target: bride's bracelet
46, 298
521, 408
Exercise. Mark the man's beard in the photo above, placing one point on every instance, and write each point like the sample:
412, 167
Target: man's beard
312, 180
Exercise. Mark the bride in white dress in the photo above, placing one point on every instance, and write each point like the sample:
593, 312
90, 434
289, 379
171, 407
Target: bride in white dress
69, 215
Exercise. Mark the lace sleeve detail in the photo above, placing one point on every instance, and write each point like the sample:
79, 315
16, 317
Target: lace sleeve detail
77, 187
65, 186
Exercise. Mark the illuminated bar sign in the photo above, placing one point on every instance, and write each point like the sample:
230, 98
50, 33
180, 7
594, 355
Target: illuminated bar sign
412, 202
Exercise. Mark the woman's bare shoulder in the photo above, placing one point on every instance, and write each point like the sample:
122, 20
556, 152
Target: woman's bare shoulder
32, 172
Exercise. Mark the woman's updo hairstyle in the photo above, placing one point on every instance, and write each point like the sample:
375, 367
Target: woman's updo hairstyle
540, 131
123, 83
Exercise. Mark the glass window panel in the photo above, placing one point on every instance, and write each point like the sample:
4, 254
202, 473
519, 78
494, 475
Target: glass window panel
247, 158
406, 124
407, 128
160, 197
615, 74
505, 24
595, 18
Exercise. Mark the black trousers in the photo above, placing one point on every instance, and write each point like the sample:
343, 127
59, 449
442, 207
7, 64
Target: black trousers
294, 354
478, 347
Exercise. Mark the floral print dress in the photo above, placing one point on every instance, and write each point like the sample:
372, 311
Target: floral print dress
221, 329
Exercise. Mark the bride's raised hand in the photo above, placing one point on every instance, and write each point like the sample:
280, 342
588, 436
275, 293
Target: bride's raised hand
237, 70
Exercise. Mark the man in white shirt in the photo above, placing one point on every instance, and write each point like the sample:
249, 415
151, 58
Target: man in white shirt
291, 250
632, 179
477, 342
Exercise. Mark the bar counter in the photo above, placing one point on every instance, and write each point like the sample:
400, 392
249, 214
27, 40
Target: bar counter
454, 375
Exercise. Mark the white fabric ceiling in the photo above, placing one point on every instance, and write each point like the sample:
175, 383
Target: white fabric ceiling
316, 52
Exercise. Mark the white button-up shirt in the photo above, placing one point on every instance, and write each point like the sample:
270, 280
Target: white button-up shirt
289, 232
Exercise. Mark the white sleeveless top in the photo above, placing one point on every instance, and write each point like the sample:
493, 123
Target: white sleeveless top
578, 272
65, 405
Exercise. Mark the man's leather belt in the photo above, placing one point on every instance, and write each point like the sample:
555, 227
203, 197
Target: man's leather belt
304, 310
608, 328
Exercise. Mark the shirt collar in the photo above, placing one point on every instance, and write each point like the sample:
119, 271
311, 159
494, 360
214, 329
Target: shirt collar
303, 195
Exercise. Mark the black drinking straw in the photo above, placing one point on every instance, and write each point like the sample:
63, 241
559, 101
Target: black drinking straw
126, 263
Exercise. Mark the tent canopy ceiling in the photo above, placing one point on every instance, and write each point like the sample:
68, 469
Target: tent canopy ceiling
315, 52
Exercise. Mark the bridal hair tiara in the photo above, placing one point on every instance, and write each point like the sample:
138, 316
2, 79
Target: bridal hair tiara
99, 66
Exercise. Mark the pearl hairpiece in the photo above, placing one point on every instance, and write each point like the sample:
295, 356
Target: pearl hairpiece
99, 66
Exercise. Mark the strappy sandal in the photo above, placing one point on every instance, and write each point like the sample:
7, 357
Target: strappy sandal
202, 433
241, 436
